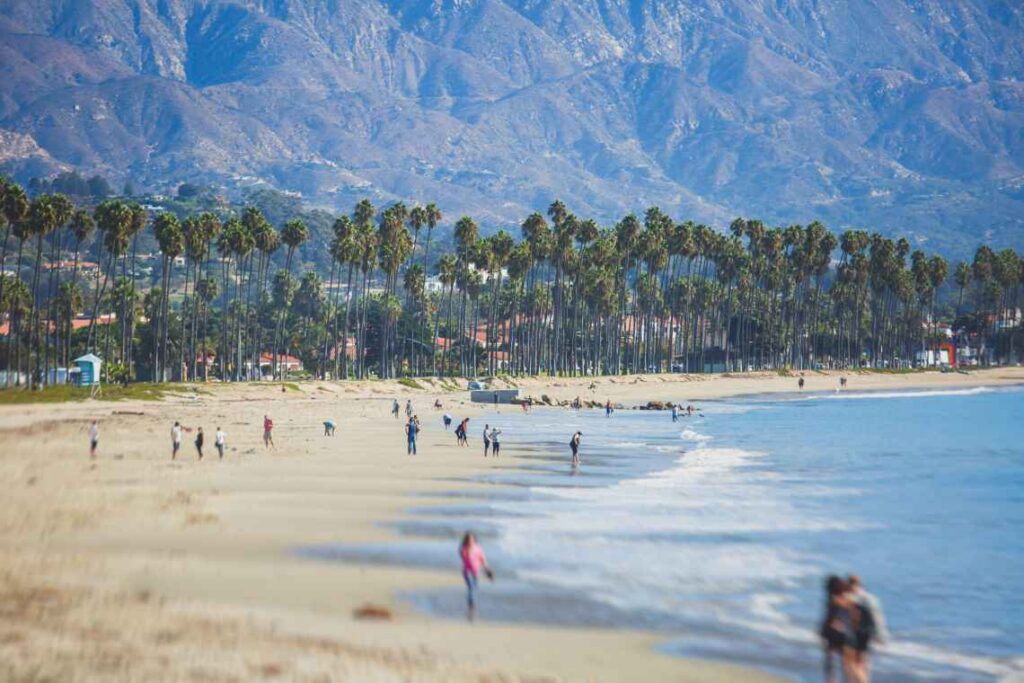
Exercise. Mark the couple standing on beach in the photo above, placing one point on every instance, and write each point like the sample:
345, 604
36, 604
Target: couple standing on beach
853, 621
491, 442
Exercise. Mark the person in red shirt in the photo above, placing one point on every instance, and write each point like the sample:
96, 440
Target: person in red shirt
268, 432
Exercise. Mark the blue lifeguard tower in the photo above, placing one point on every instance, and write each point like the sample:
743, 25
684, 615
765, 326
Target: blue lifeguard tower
89, 370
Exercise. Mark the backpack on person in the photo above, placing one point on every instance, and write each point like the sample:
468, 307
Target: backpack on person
867, 627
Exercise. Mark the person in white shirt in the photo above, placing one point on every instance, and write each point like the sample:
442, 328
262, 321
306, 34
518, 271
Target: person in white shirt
94, 439
175, 439
218, 441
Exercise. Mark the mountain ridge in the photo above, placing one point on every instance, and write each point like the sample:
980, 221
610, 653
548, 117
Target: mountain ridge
889, 115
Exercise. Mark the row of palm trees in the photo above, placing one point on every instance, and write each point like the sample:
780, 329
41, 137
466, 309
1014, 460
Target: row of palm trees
648, 294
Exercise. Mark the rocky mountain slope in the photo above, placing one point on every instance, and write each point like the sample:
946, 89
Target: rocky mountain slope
897, 115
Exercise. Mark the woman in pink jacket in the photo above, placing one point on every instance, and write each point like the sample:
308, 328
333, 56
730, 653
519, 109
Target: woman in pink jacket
473, 560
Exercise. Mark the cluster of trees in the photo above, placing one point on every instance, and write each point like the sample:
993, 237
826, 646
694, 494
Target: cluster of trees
649, 294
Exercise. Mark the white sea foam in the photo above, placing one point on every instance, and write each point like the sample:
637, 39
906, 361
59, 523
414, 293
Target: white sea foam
693, 435
931, 393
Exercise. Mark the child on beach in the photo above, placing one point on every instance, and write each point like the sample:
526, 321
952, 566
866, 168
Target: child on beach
268, 432
94, 439
175, 439
473, 560
218, 440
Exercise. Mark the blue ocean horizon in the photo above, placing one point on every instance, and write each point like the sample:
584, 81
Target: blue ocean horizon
718, 530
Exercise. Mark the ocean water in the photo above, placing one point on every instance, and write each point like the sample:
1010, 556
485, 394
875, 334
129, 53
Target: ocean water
718, 530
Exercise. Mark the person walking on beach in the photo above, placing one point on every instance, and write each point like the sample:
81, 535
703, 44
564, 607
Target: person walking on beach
846, 631
495, 399
675, 413
574, 446
199, 442
219, 439
94, 439
447, 421
800, 383
408, 408
412, 428
268, 432
175, 439
473, 560
487, 440
461, 432
394, 408
495, 444
608, 409
329, 427
870, 626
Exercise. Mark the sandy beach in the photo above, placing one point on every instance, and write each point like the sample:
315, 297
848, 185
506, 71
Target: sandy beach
135, 567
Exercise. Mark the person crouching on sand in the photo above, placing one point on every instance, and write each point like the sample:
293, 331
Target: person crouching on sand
473, 560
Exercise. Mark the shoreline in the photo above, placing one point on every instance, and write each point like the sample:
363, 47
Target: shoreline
139, 548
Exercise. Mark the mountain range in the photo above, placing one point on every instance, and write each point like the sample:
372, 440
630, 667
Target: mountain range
903, 116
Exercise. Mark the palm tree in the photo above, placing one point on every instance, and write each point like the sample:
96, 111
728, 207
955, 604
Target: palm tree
294, 234
13, 211
171, 239
447, 269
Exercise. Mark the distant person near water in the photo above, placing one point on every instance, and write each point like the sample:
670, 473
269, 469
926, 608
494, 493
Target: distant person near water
199, 442
412, 429
94, 438
675, 413
447, 419
473, 560
608, 409
175, 439
219, 440
329, 427
495, 398
800, 382
487, 439
268, 432
842, 382
495, 444
574, 446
